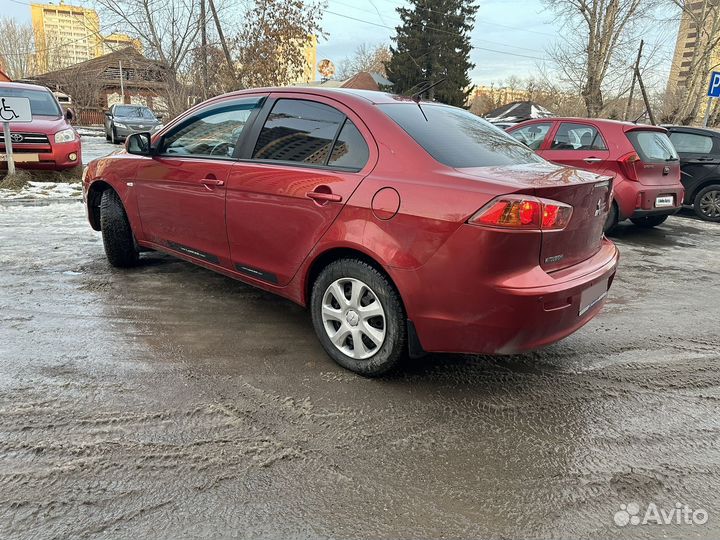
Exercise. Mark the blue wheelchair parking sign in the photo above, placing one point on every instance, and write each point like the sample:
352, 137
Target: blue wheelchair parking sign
714, 88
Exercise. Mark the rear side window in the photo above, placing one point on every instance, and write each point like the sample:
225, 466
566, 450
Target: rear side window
652, 146
458, 138
691, 143
350, 150
571, 136
298, 131
533, 135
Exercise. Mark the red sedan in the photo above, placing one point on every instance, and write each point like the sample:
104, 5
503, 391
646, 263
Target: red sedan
404, 226
49, 141
641, 158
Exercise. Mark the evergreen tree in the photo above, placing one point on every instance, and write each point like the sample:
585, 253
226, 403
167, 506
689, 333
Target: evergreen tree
432, 43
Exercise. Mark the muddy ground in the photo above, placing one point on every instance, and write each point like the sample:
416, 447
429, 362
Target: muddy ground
171, 402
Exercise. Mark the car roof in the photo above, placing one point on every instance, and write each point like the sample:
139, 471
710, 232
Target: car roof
369, 96
697, 130
25, 86
625, 126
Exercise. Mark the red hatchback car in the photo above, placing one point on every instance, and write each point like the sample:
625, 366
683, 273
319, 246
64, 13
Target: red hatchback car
641, 158
49, 141
405, 227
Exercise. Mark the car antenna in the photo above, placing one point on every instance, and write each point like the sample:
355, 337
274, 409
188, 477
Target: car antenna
416, 96
639, 117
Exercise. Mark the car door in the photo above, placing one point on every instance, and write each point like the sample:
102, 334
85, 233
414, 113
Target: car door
699, 157
579, 145
307, 157
181, 190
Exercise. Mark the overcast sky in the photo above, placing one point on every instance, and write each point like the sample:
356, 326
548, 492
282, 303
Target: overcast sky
510, 36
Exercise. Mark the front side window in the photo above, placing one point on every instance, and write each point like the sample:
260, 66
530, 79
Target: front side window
533, 135
298, 131
213, 134
458, 138
691, 143
571, 136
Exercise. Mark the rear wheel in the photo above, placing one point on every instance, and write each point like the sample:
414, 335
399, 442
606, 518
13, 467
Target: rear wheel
648, 222
116, 232
612, 218
707, 203
358, 317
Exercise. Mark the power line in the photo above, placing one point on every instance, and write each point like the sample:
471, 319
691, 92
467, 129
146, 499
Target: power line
435, 29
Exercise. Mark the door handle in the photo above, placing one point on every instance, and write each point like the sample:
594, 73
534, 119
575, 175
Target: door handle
323, 197
212, 182
592, 160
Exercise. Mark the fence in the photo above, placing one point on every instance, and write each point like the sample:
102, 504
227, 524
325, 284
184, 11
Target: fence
89, 117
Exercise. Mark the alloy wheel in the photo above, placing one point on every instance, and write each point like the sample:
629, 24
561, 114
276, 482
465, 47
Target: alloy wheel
710, 204
354, 318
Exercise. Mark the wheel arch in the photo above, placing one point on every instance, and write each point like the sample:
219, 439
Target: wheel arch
702, 185
94, 195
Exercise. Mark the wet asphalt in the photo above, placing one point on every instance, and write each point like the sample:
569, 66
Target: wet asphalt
171, 402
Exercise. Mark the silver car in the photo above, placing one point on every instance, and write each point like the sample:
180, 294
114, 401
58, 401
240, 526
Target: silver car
124, 120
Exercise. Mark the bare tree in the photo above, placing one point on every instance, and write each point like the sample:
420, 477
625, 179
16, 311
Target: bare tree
16, 48
271, 43
683, 102
365, 58
594, 52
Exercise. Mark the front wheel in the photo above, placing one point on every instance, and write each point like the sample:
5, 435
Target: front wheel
358, 317
707, 203
113, 136
117, 235
648, 222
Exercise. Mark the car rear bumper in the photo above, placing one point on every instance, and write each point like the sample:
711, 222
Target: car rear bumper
510, 316
636, 200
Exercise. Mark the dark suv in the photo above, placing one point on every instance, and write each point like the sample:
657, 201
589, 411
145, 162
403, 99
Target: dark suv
699, 151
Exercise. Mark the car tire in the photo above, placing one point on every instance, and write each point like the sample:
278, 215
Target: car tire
107, 135
117, 235
611, 220
706, 203
382, 337
113, 136
648, 222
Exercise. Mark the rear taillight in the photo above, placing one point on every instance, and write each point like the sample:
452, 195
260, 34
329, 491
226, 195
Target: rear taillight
523, 212
628, 164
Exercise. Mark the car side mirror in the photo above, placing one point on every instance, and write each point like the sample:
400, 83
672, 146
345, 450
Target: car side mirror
108, 114
69, 115
159, 116
139, 144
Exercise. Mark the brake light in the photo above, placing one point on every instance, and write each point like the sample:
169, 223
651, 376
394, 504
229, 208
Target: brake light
524, 213
628, 164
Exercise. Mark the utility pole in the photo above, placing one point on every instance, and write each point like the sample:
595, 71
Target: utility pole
222, 40
644, 95
122, 83
634, 77
203, 48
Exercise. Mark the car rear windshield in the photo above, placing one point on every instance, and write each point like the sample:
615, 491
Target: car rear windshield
652, 146
42, 103
134, 112
458, 138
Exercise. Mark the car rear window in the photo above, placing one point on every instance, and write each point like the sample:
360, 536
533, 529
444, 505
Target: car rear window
458, 138
42, 103
652, 146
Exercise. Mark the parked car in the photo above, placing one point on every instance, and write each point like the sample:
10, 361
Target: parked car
699, 151
641, 158
124, 120
49, 141
404, 226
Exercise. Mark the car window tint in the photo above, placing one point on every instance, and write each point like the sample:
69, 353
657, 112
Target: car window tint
42, 103
299, 131
350, 150
570, 136
532, 135
133, 112
458, 138
652, 146
211, 134
691, 143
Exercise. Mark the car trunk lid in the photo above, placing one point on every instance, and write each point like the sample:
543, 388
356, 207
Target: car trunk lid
589, 195
658, 163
